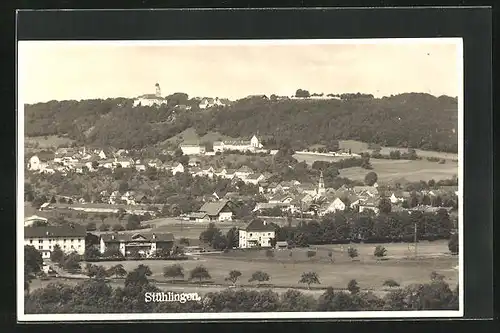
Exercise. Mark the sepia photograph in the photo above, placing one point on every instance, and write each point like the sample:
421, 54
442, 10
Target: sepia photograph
240, 179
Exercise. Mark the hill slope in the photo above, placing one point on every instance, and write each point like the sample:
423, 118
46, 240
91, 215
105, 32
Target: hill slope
407, 120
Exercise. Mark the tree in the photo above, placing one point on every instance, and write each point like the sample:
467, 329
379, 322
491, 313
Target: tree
32, 260
352, 252
302, 93
57, 255
104, 227
53, 200
174, 271
385, 205
112, 252
353, 287
232, 238
184, 241
309, 278
371, 178
380, 251
200, 272
118, 227
453, 243
259, 276
103, 217
390, 283
133, 222
117, 271
138, 277
96, 271
233, 276
91, 226
71, 262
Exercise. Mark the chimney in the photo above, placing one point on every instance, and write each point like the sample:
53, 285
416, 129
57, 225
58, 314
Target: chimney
112, 236
265, 223
154, 236
47, 233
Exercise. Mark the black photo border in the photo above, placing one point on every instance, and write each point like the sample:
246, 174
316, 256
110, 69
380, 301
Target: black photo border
474, 25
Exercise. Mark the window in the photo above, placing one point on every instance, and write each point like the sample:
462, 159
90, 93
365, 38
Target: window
50, 240
65, 239
40, 247
50, 247
40, 241
72, 240
269, 234
250, 235
31, 241
64, 246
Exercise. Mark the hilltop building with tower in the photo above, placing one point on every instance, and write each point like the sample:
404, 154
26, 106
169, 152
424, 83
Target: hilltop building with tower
151, 99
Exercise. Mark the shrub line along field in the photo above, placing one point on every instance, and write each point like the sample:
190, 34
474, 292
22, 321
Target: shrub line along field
285, 271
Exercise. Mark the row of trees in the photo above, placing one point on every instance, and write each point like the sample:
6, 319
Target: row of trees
97, 296
345, 227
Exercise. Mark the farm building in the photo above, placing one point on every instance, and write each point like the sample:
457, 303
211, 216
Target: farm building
218, 211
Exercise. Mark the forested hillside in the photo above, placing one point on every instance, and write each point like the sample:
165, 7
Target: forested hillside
407, 120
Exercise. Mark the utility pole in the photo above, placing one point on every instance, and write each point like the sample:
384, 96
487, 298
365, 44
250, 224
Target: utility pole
415, 239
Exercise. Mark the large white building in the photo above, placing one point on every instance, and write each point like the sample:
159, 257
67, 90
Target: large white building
70, 238
252, 145
192, 149
257, 233
142, 244
151, 99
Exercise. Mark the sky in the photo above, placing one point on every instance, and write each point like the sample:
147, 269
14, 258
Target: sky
83, 70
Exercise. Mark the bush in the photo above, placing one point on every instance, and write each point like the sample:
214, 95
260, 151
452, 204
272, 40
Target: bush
352, 252
380, 251
453, 244
390, 283
353, 287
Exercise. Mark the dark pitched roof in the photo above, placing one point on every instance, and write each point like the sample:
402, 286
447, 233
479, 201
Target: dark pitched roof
260, 225
55, 231
214, 208
116, 237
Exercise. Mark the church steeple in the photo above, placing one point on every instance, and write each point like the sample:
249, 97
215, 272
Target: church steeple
158, 90
321, 184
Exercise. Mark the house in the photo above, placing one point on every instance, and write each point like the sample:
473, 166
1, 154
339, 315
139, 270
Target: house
368, 191
281, 198
369, 205
307, 188
35, 164
243, 172
142, 244
114, 197
199, 217
178, 168
332, 206
399, 196
207, 102
254, 179
29, 221
151, 99
218, 211
154, 163
70, 238
263, 206
253, 144
194, 162
140, 167
230, 174
257, 233
108, 164
124, 162
192, 149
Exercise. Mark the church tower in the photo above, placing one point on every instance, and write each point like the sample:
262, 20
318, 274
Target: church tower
158, 90
321, 185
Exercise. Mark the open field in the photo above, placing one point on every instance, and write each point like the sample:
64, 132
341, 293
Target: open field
190, 135
51, 141
285, 271
360, 147
388, 170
